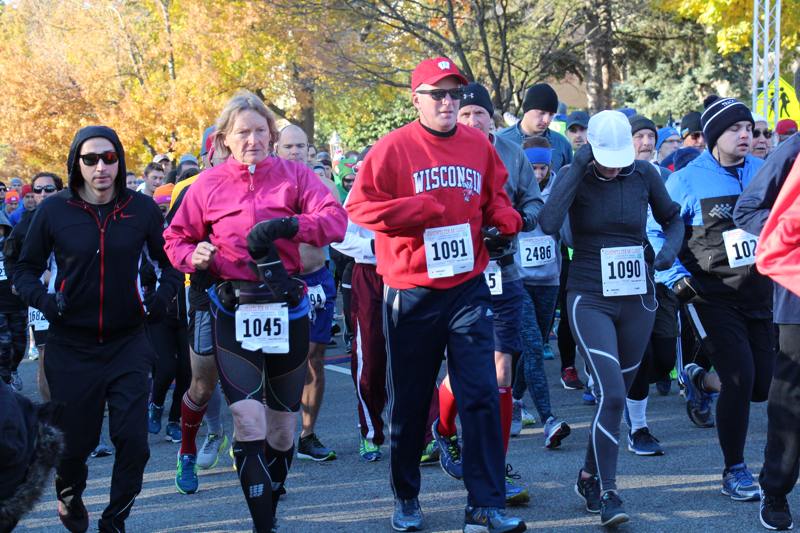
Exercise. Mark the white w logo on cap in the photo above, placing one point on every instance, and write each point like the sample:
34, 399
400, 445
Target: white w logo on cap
444, 65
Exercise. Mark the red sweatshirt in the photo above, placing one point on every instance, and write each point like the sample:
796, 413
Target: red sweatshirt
413, 180
778, 251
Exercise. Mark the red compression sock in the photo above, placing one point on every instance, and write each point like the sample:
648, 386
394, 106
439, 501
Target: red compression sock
506, 404
191, 418
447, 412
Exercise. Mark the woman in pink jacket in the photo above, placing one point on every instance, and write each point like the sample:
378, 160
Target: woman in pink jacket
242, 221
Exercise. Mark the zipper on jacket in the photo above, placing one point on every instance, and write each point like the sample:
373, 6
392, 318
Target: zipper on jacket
250, 171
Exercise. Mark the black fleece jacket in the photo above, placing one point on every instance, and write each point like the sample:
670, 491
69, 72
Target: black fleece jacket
97, 252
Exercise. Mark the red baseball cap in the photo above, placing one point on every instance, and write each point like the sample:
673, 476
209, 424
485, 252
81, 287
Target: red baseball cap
785, 126
430, 71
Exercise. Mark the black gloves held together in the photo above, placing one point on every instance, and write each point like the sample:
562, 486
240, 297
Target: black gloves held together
264, 233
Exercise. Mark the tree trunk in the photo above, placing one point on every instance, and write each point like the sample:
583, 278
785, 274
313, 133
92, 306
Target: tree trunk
598, 54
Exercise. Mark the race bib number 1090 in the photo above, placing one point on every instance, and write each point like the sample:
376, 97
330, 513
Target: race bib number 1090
448, 251
623, 271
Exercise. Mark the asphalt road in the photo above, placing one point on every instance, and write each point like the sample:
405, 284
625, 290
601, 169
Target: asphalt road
676, 492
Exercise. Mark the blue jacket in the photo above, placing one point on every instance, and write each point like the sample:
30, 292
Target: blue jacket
753, 208
707, 194
562, 150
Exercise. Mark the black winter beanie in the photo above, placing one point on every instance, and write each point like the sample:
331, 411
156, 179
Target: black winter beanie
476, 94
540, 96
640, 122
719, 115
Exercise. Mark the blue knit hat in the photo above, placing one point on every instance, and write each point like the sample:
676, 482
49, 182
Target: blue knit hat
663, 134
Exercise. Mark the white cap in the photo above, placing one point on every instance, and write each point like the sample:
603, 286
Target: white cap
758, 118
609, 134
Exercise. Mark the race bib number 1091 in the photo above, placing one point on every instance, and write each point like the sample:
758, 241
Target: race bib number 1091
448, 251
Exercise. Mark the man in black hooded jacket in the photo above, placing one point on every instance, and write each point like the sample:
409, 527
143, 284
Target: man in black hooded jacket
97, 350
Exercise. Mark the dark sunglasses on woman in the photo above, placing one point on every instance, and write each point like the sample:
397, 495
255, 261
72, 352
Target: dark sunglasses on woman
758, 133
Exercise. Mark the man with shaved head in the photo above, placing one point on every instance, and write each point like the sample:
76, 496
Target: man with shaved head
292, 144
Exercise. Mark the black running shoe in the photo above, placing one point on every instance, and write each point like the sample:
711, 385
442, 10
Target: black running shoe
611, 511
589, 490
774, 513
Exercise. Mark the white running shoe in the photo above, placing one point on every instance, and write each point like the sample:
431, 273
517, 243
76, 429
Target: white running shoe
212, 448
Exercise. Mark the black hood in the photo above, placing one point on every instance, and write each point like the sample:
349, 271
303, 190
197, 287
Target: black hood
74, 176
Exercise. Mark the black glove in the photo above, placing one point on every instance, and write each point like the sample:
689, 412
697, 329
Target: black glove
273, 275
496, 243
263, 233
52, 306
156, 307
147, 275
528, 222
584, 155
684, 289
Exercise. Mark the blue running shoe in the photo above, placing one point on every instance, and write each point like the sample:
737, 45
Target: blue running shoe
407, 515
490, 520
154, 413
186, 476
698, 402
547, 352
369, 451
516, 493
588, 397
738, 483
173, 432
449, 452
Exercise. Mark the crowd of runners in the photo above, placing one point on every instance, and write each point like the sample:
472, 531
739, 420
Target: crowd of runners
456, 238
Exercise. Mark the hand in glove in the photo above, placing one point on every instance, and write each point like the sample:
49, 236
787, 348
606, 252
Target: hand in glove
528, 222
495, 242
584, 155
52, 306
684, 289
264, 233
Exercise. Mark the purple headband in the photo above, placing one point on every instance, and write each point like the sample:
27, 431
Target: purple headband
539, 156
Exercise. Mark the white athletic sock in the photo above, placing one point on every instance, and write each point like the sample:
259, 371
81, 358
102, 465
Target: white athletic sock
637, 411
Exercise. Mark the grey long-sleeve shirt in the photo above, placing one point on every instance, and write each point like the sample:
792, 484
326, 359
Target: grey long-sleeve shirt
607, 214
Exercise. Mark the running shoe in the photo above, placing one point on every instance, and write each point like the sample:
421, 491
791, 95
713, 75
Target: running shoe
430, 455
212, 448
154, 414
173, 432
570, 379
74, 516
588, 397
547, 352
516, 494
16, 381
310, 447
612, 513
698, 402
490, 520
33, 353
449, 452
368, 451
738, 483
516, 418
102, 449
589, 490
555, 431
641, 442
528, 419
774, 513
407, 515
664, 386
186, 475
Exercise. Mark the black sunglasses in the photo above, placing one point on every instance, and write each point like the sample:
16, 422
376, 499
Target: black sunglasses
758, 133
109, 158
44, 188
439, 94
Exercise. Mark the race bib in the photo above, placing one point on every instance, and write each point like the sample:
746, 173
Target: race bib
263, 327
316, 296
37, 320
3, 276
494, 278
537, 251
448, 251
740, 247
623, 271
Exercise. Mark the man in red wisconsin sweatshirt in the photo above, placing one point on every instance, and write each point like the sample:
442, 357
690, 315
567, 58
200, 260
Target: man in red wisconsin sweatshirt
427, 190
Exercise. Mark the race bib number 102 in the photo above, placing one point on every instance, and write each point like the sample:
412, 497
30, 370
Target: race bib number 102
448, 251
740, 247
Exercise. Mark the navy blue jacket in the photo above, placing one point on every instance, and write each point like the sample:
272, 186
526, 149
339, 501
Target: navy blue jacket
753, 208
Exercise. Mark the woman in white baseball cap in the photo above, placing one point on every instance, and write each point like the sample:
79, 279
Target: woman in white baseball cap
610, 288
